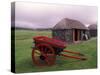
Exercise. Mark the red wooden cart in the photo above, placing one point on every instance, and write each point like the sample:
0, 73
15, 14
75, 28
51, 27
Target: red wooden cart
46, 49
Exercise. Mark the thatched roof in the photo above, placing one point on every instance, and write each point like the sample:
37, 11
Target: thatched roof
69, 24
93, 27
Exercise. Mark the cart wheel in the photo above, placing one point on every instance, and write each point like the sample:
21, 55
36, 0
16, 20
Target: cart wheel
43, 55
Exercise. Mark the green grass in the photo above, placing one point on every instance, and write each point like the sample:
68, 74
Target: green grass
24, 61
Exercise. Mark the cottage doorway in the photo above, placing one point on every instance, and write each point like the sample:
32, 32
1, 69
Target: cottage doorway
75, 35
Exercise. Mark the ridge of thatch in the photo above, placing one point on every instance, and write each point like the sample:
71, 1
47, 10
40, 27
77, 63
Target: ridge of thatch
69, 24
92, 27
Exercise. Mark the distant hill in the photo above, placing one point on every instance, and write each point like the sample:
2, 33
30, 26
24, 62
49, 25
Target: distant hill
19, 28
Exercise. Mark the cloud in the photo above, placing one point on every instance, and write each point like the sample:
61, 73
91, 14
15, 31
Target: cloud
38, 15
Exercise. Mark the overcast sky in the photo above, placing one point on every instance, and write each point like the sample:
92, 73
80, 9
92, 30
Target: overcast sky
36, 15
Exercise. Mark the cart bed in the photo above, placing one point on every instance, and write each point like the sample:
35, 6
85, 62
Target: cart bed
51, 41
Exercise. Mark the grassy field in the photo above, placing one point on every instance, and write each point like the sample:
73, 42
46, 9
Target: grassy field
24, 60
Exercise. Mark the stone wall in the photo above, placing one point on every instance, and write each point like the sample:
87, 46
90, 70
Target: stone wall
64, 35
93, 33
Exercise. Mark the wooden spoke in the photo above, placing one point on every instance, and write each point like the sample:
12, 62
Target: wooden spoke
43, 55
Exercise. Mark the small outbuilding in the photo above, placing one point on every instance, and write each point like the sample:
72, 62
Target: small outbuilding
93, 30
70, 31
